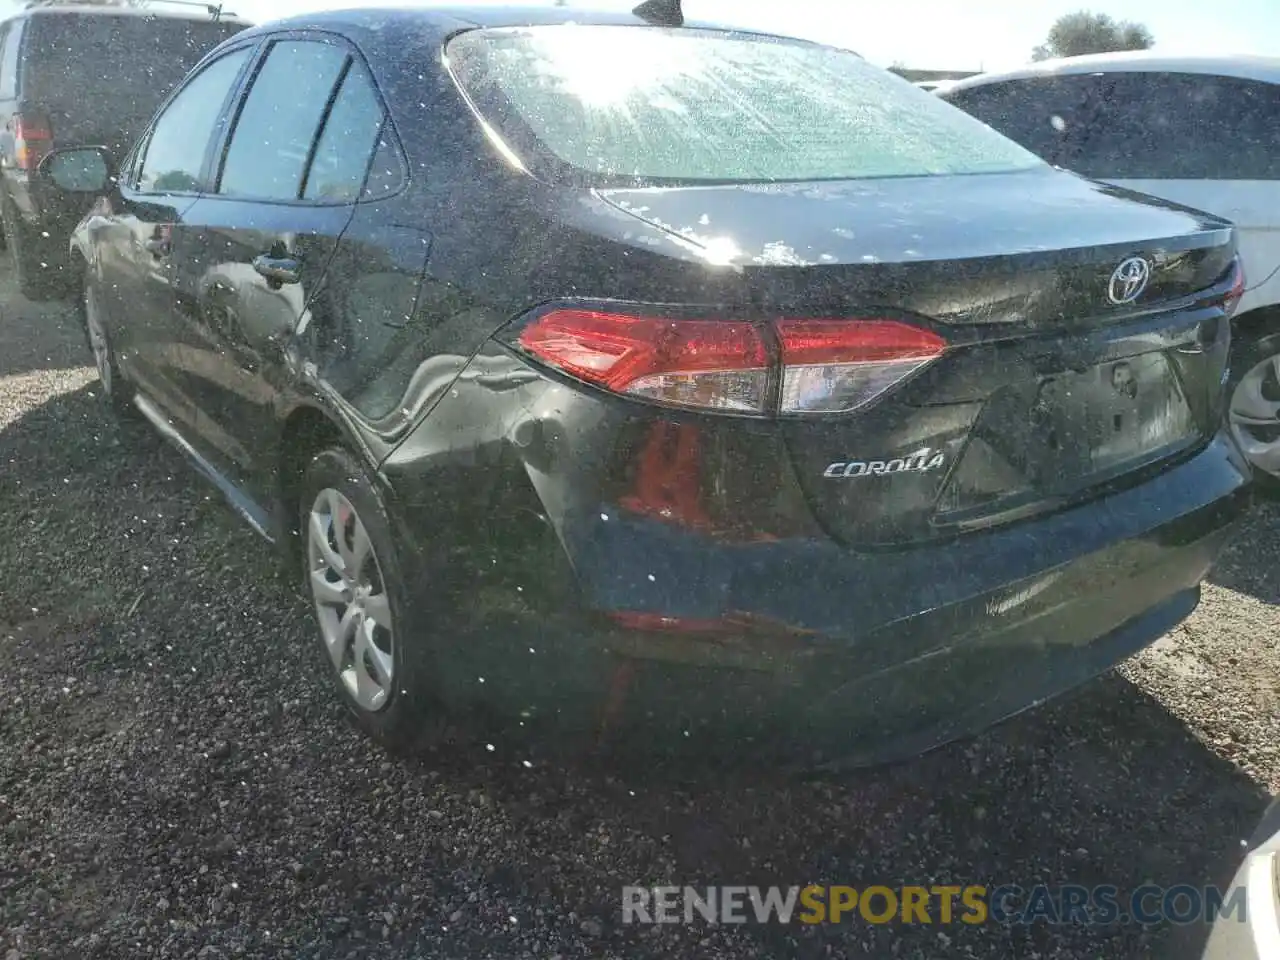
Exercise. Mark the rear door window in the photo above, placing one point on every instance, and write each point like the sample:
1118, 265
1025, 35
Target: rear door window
1043, 114
280, 119
347, 143
609, 103
1172, 126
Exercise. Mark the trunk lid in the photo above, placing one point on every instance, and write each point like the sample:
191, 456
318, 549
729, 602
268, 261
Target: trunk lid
1050, 390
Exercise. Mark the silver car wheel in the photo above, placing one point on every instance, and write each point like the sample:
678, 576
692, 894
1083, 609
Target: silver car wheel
351, 600
1255, 415
97, 338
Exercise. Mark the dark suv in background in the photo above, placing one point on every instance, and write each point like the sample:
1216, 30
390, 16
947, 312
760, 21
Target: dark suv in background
82, 74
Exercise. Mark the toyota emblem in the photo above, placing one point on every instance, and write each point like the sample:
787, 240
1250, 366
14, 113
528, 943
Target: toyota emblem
1129, 280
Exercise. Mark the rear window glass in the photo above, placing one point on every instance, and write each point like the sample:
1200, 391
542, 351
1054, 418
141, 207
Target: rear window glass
652, 104
117, 67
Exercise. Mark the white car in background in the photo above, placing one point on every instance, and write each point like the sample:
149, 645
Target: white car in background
1199, 131
1256, 935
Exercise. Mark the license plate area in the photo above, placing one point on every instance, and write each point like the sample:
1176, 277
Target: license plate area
1045, 441
1110, 418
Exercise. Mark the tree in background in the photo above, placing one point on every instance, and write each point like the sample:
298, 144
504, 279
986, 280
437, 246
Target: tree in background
1083, 32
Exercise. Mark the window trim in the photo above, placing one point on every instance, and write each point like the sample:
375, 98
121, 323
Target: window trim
325, 114
232, 93
388, 133
353, 56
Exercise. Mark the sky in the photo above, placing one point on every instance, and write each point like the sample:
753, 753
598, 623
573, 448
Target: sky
936, 34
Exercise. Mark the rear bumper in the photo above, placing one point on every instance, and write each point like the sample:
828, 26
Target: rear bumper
846, 655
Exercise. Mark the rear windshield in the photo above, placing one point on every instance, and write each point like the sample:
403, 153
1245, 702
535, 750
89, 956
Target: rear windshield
114, 67
651, 104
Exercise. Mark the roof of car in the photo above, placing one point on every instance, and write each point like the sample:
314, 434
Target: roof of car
450, 18
1266, 69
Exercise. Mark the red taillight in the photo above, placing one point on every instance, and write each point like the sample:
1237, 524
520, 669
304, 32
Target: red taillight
32, 139
822, 366
693, 363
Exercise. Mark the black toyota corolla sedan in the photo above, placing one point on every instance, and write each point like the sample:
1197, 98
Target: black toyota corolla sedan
617, 369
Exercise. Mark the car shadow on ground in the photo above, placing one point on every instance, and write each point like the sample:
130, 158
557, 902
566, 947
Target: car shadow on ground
167, 704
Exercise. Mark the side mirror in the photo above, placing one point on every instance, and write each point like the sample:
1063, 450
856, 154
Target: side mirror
77, 169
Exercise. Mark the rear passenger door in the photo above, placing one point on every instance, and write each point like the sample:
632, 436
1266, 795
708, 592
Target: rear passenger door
1205, 141
254, 252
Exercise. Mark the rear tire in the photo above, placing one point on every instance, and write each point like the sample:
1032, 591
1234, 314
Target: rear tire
382, 669
1255, 376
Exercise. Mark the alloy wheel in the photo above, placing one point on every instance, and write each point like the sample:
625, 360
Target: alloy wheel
351, 600
1255, 414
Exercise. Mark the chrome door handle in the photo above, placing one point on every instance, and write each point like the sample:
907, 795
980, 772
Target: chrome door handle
277, 270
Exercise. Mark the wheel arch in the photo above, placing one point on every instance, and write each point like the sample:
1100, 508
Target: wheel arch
1258, 322
307, 429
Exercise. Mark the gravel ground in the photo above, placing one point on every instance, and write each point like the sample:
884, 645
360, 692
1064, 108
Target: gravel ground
177, 780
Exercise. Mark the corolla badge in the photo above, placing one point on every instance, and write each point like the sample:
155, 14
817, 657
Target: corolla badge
1129, 280
922, 461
